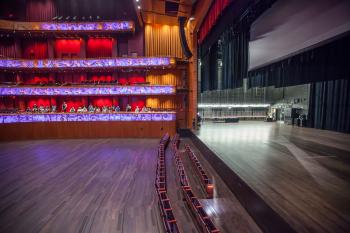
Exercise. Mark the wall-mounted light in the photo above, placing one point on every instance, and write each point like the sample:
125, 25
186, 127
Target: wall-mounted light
233, 105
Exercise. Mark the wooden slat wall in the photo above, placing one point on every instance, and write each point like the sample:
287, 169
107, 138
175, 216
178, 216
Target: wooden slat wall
163, 102
165, 78
162, 40
55, 130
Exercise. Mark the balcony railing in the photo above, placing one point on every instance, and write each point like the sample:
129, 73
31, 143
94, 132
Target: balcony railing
66, 27
101, 63
87, 91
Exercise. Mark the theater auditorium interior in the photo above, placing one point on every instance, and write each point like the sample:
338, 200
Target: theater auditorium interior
174, 116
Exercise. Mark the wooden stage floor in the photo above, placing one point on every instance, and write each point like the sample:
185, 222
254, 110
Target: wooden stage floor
302, 173
102, 186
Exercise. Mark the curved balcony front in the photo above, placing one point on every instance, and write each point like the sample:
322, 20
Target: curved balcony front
88, 90
68, 27
88, 64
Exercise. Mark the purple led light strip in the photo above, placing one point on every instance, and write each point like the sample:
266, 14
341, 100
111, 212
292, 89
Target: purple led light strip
87, 63
71, 117
101, 26
85, 91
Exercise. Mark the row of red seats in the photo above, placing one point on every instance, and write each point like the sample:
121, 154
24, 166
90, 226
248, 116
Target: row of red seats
192, 201
168, 217
205, 181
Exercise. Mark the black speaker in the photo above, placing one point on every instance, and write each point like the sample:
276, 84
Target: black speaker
186, 50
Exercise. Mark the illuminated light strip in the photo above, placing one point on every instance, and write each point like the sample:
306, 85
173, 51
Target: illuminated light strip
144, 62
233, 105
66, 27
101, 26
71, 117
86, 91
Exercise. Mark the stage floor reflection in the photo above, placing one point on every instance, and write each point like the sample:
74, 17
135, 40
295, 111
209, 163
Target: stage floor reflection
302, 173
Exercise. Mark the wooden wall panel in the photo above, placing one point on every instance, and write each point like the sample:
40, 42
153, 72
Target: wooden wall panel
162, 40
172, 77
59, 130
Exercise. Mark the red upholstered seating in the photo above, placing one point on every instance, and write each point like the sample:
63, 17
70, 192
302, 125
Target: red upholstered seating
193, 203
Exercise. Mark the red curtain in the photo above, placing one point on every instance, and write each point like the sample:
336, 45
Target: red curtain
212, 16
7, 48
99, 47
101, 101
101, 77
39, 101
136, 79
37, 78
72, 101
40, 10
67, 48
137, 101
34, 49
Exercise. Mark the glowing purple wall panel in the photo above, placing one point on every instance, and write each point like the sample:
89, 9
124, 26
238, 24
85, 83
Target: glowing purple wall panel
86, 63
65, 117
102, 26
85, 91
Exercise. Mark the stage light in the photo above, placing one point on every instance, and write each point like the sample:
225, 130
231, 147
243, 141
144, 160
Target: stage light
191, 18
233, 105
139, 7
137, 0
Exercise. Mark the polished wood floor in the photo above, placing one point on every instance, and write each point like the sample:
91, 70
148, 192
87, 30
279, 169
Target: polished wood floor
103, 185
303, 174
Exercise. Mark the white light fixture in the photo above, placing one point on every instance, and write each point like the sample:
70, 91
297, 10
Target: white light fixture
191, 18
139, 7
233, 105
137, 0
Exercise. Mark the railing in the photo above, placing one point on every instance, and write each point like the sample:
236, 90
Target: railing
87, 90
205, 181
87, 63
192, 201
168, 217
68, 27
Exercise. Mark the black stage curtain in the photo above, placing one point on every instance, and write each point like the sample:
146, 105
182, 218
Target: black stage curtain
209, 70
329, 105
234, 58
205, 72
327, 62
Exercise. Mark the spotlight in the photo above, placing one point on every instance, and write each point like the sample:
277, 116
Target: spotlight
139, 7
68, 17
75, 18
60, 18
54, 18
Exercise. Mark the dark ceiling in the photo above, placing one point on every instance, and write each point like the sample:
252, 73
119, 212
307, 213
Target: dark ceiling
105, 9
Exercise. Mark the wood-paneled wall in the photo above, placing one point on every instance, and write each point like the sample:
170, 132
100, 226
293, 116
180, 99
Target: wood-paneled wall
55, 130
164, 102
162, 40
159, 77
